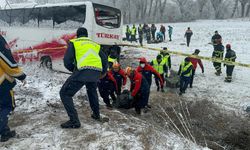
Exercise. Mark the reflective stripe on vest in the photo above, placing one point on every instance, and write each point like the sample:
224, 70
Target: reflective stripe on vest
87, 54
185, 68
159, 67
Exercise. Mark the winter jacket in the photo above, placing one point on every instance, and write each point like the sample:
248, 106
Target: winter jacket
139, 84
188, 33
194, 61
218, 51
170, 30
85, 75
216, 39
120, 77
153, 29
230, 56
9, 69
147, 72
163, 29
108, 83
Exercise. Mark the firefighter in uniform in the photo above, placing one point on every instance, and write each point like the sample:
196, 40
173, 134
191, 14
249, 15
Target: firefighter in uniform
119, 75
9, 70
88, 64
218, 51
230, 56
160, 66
185, 73
139, 89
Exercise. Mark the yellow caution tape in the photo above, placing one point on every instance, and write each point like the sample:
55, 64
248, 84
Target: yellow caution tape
38, 50
212, 59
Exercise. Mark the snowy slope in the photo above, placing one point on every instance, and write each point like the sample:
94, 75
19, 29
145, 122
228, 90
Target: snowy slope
234, 96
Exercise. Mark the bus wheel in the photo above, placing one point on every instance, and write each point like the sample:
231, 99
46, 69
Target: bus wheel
46, 62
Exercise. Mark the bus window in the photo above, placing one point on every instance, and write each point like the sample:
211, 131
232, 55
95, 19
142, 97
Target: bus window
5, 17
107, 17
30, 17
46, 17
69, 17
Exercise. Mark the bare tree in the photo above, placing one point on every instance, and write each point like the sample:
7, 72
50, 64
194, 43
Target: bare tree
181, 4
243, 4
201, 5
217, 7
236, 3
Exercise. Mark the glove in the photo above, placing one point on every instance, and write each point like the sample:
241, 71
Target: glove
130, 97
24, 82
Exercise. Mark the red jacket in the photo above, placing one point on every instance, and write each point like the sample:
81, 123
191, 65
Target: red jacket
121, 72
194, 61
147, 72
136, 82
110, 77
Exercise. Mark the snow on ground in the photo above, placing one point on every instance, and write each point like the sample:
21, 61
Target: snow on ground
230, 96
39, 110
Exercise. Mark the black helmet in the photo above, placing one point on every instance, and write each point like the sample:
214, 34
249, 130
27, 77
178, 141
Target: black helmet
82, 32
197, 51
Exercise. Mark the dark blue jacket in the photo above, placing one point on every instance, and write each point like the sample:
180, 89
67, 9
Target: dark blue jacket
86, 75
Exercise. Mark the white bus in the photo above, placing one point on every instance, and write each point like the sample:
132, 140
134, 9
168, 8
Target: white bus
41, 32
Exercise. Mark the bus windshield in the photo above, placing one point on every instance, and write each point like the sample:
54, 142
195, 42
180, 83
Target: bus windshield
107, 17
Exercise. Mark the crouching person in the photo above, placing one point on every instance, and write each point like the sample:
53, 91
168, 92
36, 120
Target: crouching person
108, 87
139, 89
9, 70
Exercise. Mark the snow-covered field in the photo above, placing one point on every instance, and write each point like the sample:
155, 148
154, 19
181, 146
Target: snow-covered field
235, 95
39, 110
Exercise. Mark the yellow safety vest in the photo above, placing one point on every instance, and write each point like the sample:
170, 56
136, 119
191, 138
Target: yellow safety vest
87, 54
112, 60
159, 67
133, 31
185, 68
165, 58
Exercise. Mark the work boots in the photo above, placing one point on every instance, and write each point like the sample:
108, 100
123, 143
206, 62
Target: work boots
71, 124
99, 118
7, 135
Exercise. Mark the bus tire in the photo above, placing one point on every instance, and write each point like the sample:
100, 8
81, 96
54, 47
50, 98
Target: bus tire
46, 62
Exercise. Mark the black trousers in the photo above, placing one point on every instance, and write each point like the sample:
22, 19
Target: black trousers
188, 41
217, 67
70, 88
192, 78
157, 81
229, 72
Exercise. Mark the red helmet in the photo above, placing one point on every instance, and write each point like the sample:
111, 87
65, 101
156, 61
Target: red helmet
228, 46
143, 60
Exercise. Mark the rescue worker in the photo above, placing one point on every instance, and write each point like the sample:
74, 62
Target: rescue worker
163, 31
160, 66
88, 63
139, 89
153, 31
133, 34
119, 75
216, 38
230, 56
128, 33
166, 57
108, 87
185, 72
148, 34
140, 33
114, 55
9, 70
188, 35
194, 62
170, 32
218, 54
